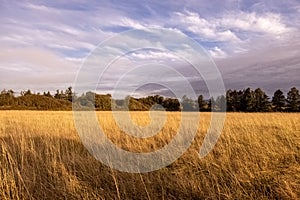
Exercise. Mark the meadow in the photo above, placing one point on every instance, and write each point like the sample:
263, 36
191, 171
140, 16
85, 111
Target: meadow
256, 157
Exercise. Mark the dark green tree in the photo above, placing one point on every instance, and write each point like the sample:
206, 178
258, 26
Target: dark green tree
248, 101
103, 102
201, 103
7, 98
69, 94
171, 104
278, 100
234, 100
261, 101
230, 101
158, 99
293, 100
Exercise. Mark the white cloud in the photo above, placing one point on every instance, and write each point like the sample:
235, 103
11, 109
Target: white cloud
131, 23
154, 55
60, 36
216, 52
75, 60
40, 57
228, 27
52, 36
275, 65
21, 67
268, 23
207, 29
53, 28
41, 8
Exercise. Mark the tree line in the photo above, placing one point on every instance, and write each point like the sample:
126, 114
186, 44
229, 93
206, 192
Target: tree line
246, 100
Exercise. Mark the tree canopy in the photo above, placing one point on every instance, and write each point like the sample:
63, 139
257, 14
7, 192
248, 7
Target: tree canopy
246, 100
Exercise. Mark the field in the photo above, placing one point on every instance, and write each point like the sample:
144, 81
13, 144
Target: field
256, 157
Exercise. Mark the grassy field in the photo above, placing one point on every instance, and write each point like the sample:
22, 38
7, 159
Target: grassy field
256, 157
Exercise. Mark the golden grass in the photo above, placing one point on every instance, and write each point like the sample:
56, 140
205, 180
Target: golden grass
256, 157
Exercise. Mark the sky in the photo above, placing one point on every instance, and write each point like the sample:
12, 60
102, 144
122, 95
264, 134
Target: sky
45, 44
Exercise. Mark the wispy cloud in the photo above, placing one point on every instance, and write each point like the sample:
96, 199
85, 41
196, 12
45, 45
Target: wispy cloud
266, 23
216, 52
206, 29
35, 68
51, 38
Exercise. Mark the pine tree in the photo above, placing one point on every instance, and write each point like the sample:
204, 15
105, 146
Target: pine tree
201, 103
293, 100
278, 100
261, 103
248, 101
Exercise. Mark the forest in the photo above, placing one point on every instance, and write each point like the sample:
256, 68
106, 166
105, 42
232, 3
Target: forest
246, 100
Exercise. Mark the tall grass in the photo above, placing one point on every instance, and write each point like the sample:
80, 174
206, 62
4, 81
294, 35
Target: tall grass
256, 157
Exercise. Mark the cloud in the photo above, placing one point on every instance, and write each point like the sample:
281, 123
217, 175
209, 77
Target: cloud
48, 36
216, 52
131, 23
54, 28
206, 29
266, 23
152, 55
40, 8
232, 27
273, 66
21, 68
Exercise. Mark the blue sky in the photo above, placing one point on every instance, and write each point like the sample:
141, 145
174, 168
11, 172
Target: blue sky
254, 43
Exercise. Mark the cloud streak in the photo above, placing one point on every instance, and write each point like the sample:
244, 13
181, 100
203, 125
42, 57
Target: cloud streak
42, 41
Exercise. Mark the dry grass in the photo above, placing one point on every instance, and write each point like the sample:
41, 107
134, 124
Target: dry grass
256, 157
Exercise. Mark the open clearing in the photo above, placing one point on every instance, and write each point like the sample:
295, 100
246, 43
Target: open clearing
256, 157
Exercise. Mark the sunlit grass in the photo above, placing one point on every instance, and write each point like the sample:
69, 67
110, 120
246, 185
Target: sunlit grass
256, 157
